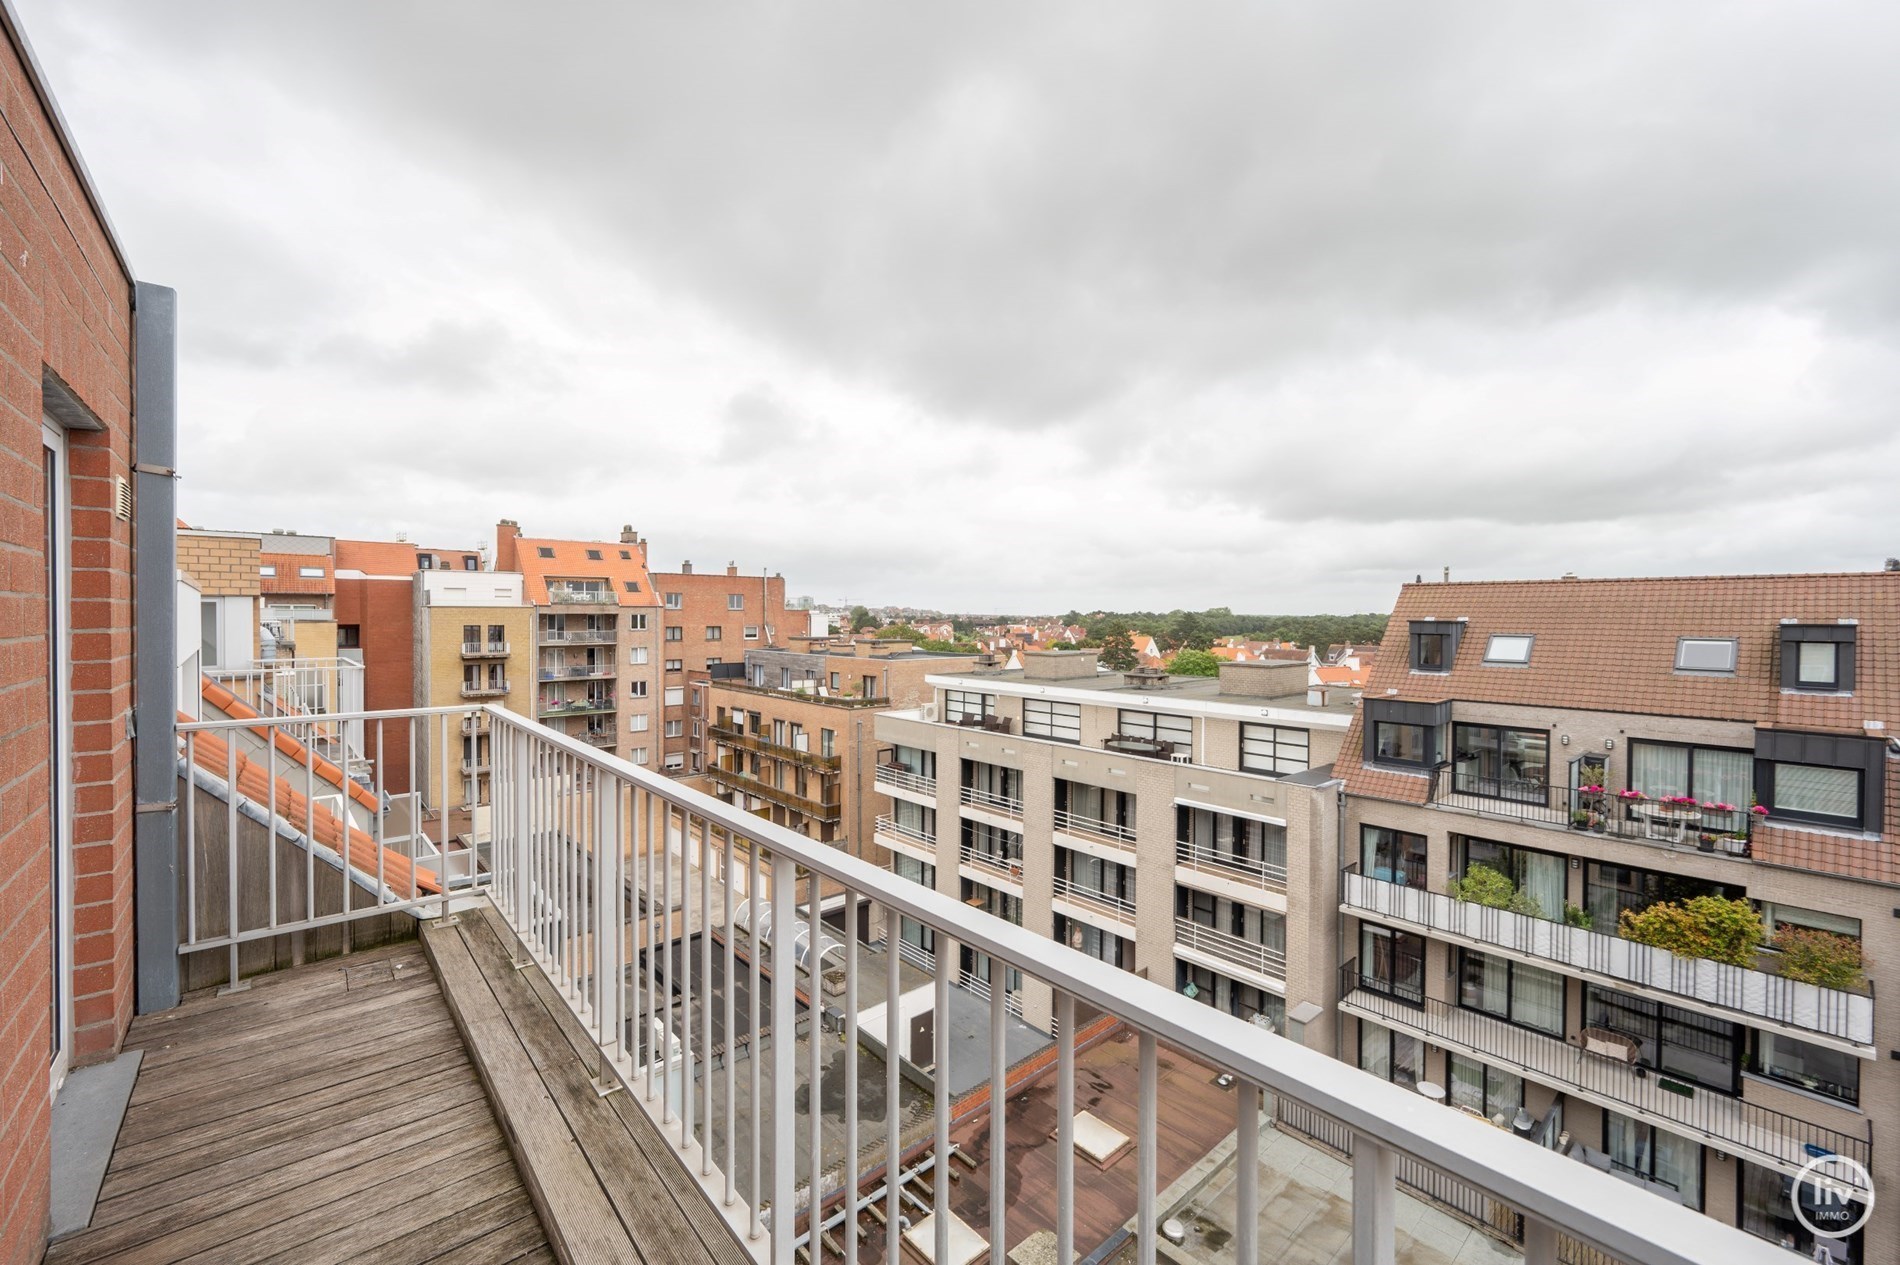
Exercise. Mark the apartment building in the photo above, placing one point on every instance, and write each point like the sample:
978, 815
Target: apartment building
1606, 746
227, 569
791, 733
595, 637
709, 619
1179, 827
474, 644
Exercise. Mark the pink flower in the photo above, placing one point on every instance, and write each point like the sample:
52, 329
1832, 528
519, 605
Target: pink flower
1631, 795
1759, 810
1717, 806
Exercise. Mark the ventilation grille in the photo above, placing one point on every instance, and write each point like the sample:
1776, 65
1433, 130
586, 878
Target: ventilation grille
121, 498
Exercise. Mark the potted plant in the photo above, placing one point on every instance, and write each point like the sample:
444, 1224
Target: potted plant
1577, 916
1712, 927
1482, 885
1819, 957
1705, 842
1580, 819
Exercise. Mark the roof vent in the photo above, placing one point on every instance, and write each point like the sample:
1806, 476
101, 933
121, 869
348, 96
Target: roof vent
1569, 575
1893, 564
121, 498
1145, 678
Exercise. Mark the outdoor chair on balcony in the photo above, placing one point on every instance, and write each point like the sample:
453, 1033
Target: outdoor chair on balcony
1607, 1044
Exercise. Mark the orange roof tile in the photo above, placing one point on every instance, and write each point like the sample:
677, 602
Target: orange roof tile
569, 560
231, 705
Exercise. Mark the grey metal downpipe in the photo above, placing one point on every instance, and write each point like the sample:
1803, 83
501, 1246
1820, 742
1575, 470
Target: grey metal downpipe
154, 644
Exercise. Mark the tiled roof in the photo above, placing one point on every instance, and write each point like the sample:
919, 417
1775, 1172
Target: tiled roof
376, 557
287, 579
570, 562
223, 700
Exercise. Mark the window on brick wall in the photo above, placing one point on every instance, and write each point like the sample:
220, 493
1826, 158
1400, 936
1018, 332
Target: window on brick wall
675, 665
675, 633
675, 601
735, 601
715, 633
675, 728
637, 621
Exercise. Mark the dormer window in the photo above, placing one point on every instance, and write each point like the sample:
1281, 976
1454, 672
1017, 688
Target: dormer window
593, 555
544, 551
1435, 644
1508, 649
1818, 658
1706, 656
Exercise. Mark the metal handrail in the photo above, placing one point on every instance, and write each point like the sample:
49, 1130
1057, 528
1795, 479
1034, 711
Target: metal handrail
1094, 828
1115, 907
1255, 870
899, 776
916, 834
977, 797
1002, 866
1238, 950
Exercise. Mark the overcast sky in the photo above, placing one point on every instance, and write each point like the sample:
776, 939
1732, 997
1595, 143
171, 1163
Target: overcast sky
1026, 306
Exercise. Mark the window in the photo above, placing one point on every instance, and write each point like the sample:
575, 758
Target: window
593, 555
471, 634
1678, 1043
675, 695
1390, 1055
674, 601
1775, 916
1393, 856
735, 601
675, 762
785, 678
1818, 658
1497, 1096
1501, 763
310, 573
713, 661
1158, 727
1660, 1158
425, 561
1714, 775
626, 555
470, 563
869, 684
1809, 792
1708, 655
834, 681
675, 728
1272, 749
638, 755
1611, 889
1399, 743
1511, 991
267, 570
715, 633
675, 665
543, 551
1434, 644
632, 586
349, 636
637, 622
1814, 1068
752, 634
1538, 876
1392, 962
958, 705
1060, 721
1508, 648
637, 722
639, 689
1767, 1212
637, 655
675, 633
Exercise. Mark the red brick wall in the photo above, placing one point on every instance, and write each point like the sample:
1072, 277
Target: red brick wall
65, 303
703, 606
385, 613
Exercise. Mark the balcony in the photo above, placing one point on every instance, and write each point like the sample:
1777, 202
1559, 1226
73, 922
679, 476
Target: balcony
1760, 999
579, 597
990, 867
577, 672
647, 1108
1606, 813
1153, 748
733, 736
484, 689
557, 637
601, 736
738, 780
1094, 906
1223, 951
898, 778
484, 650
912, 841
474, 724
479, 765
1210, 862
1732, 1125
993, 724
1094, 830
574, 706
990, 801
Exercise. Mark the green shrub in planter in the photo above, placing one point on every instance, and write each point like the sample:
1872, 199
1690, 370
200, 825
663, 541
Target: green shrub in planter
1820, 957
1711, 927
1483, 885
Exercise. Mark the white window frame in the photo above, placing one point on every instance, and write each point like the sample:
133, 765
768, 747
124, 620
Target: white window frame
675, 601
1056, 721
1510, 650
675, 729
637, 621
1277, 762
675, 696
637, 655
735, 601
751, 632
1688, 647
309, 573
638, 722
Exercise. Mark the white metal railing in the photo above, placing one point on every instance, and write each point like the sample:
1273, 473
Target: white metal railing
1004, 867
1758, 998
474, 649
576, 636
589, 597
592, 857
577, 672
1122, 911
971, 981
887, 824
1232, 949
483, 689
1216, 862
1094, 828
904, 779
976, 797
304, 687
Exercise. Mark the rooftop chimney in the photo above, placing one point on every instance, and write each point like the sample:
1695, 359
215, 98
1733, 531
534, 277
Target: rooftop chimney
1059, 665
628, 536
507, 531
732, 568
1893, 564
686, 568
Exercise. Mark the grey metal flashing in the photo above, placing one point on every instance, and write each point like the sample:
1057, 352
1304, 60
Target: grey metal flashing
154, 645
1842, 636
1866, 756
63, 404
42, 89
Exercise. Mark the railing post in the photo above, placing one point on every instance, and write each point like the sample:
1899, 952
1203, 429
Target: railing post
1247, 1174
1145, 1149
519, 871
609, 905
1374, 1178
783, 1120
1540, 1242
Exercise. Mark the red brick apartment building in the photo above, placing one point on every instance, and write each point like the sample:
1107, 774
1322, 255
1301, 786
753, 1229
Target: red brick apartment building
81, 425
710, 618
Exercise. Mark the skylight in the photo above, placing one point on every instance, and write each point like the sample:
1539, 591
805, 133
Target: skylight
1706, 654
1509, 648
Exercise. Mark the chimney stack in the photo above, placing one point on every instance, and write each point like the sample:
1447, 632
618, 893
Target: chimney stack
628, 536
732, 568
686, 568
507, 531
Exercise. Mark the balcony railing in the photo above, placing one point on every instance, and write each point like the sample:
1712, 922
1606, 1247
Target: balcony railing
1756, 998
1218, 863
1756, 1133
484, 650
896, 775
574, 706
976, 797
916, 834
734, 736
1093, 901
1007, 868
1229, 948
739, 780
577, 672
1646, 820
484, 689
598, 737
475, 723
994, 724
472, 767
589, 854
586, 597
1094, 828
555, 637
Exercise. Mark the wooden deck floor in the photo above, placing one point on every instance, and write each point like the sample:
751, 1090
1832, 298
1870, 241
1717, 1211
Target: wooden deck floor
329, 1113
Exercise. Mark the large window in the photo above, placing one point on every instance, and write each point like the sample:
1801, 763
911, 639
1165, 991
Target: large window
1398, 743
1669, 1163
1159, 727
1495, 1095
1094, 804
1680, 1043
1814, 1068
1538, 875
1501, 763
1809, 792
1767, 1212
1610, 889
1060, 721
958, 705
915, 934
1392, 855
1392, 962
1390, 1055
1255, 846
1713, 656
1714, 775
1273, 749
1511, 991
1102, 945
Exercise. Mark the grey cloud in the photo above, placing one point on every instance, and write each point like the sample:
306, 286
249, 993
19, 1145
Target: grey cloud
456, 356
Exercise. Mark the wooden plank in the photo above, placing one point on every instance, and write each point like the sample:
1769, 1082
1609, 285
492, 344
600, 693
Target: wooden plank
489, 937
511, 1242
647, 1206
467, 1209
579, 1218
397, 1000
